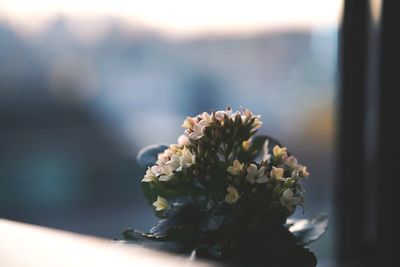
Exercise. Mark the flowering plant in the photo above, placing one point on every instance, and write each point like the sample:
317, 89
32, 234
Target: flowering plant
222, 190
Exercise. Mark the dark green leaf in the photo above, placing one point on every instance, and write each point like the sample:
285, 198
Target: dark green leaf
152, 190
307, 231
181, 223
147, 156
213, 222
133, 235
149, 192
136, 237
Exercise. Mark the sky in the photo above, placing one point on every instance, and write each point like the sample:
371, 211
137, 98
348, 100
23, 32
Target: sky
179, 17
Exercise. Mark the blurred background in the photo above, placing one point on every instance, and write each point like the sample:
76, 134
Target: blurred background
85, 85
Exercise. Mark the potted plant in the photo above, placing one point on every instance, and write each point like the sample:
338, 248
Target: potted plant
224, 194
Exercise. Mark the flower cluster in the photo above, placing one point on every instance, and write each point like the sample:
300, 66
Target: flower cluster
281, 175
171, 161
219, 163
195, 126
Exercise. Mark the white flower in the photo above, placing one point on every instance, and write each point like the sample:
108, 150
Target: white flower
183, 140
169, 168
247, 115
288, 200
173, 163
206, 118
257, 123
232, 195
220, 115
256, 176
236, 167
167, 174
234, 115
157, 170
187, 158
291, 162
160, 204
149, 176
303, 171
198, 131
266, 154
162, 159
300, 172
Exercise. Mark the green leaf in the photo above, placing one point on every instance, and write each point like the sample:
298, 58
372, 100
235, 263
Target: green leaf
181, 224
147, 156
153, 190
149, 192
307, 231
132, 235
136, 237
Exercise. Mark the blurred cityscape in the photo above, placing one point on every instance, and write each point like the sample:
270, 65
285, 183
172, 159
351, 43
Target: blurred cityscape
74, 113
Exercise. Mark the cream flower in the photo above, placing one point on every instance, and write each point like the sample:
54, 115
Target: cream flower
236, 167
246, 145
235, 115
157, 170
168, 170
257, 123
160, 204
291, 162
149, 176
206, 118
189, 123
173, 163
256, 176
183, 140
232, 195
187, 158
300, 172
279, 152
174, 149
162, 159
167, 174
220, 115
246, 115
277, 173
303, 172
198, 131
289, 200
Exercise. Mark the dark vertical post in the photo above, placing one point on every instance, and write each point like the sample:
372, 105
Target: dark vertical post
388, 157
351, 162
